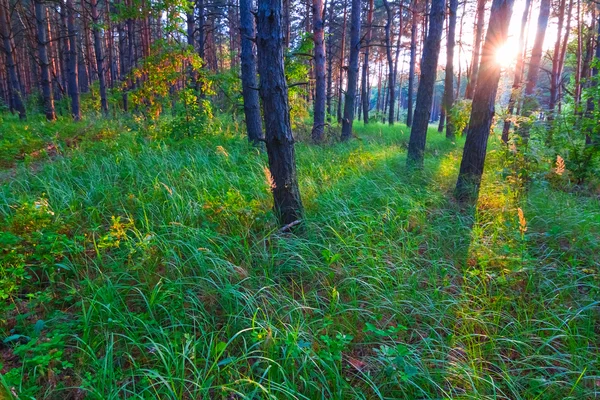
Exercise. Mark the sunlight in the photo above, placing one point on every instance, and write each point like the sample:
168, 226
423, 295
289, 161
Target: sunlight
506, 54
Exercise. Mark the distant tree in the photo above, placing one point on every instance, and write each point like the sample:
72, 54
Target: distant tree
342, 60
352, 71
365, 97
479, 25
484, 98
319, 69
449, 77
388, 52
46, 84
278, 132
431, 51
72, 70
248, 64
14, 86
413, 59
99, 55
537, 49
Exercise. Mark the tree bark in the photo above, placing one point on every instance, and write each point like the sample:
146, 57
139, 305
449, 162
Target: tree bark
484, 98
352, 71
476, 49
46, 83
249, 92
411, 68
72, 65
329, 55
341, 73
319, 69
448, 101
365, 67
536, 51
14, 86
99, 55
431, 51
388, 50
274, 95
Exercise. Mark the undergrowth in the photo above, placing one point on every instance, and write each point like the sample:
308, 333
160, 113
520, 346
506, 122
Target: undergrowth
135, 266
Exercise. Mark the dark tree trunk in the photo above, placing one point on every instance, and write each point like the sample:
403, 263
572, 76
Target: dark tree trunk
341, 76
536, 51
329, 55
72, 65
484, 98
319, 67
411, 68
388, 51
397, 55
201, 34
14, 86
365, 67
352, 71
476, 49
99, 55
448, 101
518, 73
431, 51
559, 55
250, 94
274, 95
46, 83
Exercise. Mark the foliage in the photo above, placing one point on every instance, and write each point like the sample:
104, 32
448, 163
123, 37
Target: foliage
460, 114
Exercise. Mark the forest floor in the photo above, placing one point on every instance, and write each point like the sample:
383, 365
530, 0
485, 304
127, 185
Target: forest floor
138, 267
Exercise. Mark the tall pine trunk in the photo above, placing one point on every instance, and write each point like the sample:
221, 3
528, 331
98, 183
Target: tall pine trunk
14, 86
249, 92
484, 98
431, 51
341, 73
476, 49
537, 51
352, 71
365, 67
319, 69
413, 60
46, 82
274, 94
388, 51
72, 65
448, 101
99, 55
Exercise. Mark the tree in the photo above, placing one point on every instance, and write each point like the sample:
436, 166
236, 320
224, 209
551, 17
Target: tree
516, 86
449, 77
14, 86
41, 26
341, 70
413, 60
536, 51
476, 49
274, 94
365, 97
319, 64
248, 64
484, 98
73, 78
352, 71
431, 51
99, 55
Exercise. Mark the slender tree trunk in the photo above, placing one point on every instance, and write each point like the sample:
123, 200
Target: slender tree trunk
99, 55
449, 78
431, 51
554, 75
484, 98
411, 68
391, 75
352, 71
274, 95
536, 51
250, 94
329, 55
518, 73
40, 17
341, 76
563, 52
578, 55
476, 49
365, 67
11, 67
319, 67
72, 65
396, 56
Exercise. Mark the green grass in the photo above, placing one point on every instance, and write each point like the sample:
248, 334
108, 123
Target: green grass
158, 272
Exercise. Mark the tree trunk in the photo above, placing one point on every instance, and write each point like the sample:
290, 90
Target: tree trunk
274, 95
431, 51
518, 73
554, 80
365, 67
536, 51
11, 67
99, 55
352, 71
341, 76
319, 67
476, 49
72, 69
448, 101
391, 76
249, 92
484, 98
329, 55
411, 68
40, 18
